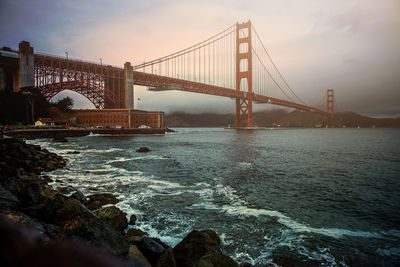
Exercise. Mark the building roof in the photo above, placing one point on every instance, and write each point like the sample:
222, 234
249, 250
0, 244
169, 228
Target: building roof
45, 120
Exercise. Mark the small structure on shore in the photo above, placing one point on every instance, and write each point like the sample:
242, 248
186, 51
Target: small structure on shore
44, 122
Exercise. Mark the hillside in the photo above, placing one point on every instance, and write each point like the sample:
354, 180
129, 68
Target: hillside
296, 118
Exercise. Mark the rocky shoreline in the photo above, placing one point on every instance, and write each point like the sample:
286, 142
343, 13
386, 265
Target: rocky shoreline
41, 225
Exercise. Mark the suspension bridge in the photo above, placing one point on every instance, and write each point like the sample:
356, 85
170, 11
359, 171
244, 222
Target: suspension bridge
233, 63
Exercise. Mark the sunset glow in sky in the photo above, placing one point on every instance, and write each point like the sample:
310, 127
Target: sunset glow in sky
349, 45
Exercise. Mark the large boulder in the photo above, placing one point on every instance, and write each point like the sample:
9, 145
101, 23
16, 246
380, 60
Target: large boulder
71, 210
28, 190
215, 259
114, 216
96, 232
194, 246
167, 259
136, 256
151, 249
23, 246
98, 200
8, 199
79, 196
49, 203
134, 232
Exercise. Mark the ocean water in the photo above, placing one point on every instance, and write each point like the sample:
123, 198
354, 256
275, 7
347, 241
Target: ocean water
328, 197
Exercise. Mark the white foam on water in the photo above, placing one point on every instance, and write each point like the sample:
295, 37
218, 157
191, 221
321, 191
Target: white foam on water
94, 150
119, 159
205, 205
150, 157
296, 226
245, 165
92, 134
229, 193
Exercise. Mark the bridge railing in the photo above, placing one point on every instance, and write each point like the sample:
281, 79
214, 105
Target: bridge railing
76, 59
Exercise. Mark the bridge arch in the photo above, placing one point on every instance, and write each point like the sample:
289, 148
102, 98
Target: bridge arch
96, 97
104, 86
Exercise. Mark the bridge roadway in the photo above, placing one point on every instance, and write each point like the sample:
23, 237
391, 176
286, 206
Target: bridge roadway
155, 82
163, 83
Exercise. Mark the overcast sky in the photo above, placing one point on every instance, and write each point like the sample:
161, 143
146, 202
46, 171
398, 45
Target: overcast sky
349, 45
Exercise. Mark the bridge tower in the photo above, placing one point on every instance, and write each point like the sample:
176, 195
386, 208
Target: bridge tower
330, 109
244, 107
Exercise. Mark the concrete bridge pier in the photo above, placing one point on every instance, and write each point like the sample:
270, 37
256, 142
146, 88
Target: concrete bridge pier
26, 70
130, 101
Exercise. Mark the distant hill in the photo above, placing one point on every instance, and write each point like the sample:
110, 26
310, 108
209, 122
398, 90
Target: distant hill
296, 118
352, 119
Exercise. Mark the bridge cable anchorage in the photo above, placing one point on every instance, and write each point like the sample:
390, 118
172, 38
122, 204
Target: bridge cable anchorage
283, 79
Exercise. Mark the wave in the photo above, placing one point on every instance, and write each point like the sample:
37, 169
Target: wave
301, 228
150, 157
119, 159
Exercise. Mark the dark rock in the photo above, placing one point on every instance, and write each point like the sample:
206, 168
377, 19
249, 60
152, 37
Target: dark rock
52, 230
46, 179
135, 255
53, 201
96, 201
73, 152
167, 259
135, 232
29, 190
23, 246
150, 249
72, 210
143, 149
132, 219
160, 242
60, 139
213, 235
22, 218
8, 199
66, 189
50, 202
114, 216
134, 236
95, 232
79, 196
215, 259
194, 246
73, 254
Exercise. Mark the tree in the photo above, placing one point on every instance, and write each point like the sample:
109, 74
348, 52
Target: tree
65, 104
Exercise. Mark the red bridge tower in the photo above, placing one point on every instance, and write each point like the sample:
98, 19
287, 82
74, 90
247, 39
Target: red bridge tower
330, 109
244, 107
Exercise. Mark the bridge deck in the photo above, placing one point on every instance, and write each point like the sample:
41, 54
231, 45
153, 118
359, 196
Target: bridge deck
163, 83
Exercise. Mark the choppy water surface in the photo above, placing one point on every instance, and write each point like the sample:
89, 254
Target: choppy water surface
325, 196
